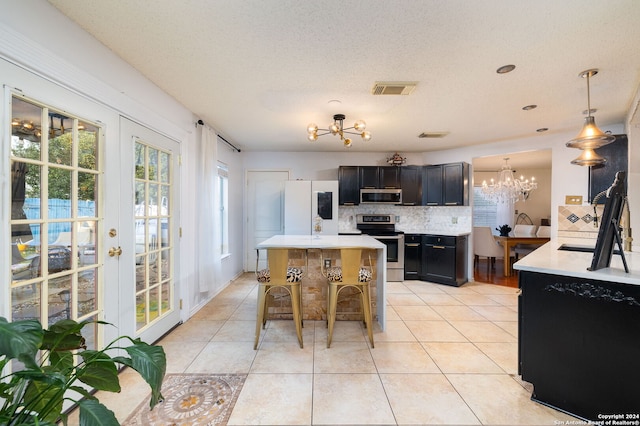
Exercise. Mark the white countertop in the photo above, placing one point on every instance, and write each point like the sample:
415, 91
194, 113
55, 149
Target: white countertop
321, 242
549, 260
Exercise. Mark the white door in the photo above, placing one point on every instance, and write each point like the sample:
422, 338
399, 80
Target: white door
265, 210
69, 188
53, 153
148, 234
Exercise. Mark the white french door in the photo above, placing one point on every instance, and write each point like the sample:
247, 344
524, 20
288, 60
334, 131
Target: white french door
73, 244
149, 229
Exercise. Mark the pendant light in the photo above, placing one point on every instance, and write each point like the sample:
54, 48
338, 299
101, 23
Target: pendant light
590, 137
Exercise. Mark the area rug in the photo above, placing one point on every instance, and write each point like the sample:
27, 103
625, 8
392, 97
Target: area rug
191, 399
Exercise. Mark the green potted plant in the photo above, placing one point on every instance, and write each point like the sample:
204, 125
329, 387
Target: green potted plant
56, 361
504, 230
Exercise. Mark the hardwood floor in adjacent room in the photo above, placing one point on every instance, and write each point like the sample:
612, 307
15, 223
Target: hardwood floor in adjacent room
485, 274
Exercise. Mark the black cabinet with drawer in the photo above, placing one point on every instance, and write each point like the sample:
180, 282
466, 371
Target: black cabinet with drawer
412, 256
444, 259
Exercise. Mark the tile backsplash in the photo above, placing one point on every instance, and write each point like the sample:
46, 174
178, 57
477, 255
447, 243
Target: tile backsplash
579, 221
453, 220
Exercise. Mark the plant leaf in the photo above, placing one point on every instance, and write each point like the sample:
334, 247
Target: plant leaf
45, 399
22, 337
151, 362
64, 335
61, 361
93, 413
99, 371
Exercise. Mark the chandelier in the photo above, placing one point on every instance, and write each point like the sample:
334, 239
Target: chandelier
591, 137
508, 188
337, 128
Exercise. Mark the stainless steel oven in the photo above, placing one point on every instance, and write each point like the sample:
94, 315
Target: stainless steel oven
382, 228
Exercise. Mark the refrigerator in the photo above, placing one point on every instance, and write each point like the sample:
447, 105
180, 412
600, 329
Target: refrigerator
304, 200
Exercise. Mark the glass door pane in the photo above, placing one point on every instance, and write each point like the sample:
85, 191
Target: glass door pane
153, 222
55, 173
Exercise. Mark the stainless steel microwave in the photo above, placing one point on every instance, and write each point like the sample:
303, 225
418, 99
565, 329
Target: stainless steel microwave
380, 196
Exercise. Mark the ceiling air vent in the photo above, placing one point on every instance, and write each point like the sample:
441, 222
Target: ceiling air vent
393, 87
433, 135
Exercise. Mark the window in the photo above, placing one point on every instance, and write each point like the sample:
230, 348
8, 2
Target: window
485, 210
223, 185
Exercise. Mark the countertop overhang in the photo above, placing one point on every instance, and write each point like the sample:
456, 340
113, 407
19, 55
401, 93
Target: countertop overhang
321, 242
548, 259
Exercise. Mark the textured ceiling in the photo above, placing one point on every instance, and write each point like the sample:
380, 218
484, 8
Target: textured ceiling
259, 71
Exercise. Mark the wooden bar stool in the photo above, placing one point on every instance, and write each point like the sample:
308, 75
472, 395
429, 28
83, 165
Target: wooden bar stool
279, 275
352, 274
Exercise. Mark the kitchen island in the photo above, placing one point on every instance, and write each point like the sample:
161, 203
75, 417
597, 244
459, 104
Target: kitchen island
579, 332
314, 284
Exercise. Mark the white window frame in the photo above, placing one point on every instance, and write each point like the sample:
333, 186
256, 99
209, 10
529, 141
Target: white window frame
223, 187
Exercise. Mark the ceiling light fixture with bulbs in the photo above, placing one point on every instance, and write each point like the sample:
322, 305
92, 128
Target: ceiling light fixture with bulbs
508, 189
590, 137
337, 128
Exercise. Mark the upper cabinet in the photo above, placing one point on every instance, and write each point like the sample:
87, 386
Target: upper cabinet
348, 185
446, 185
379, 177
411, 184
435, 185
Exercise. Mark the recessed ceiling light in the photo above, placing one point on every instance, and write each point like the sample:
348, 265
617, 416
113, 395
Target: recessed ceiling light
505, 69
542, 129
335, 101
529, 107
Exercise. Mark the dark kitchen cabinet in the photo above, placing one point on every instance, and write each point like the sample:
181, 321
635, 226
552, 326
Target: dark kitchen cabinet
379, 177
578, 343
412, 256
369, 177
389, 177
432, 185
411, 184
444, 259
446, 185
348, 185
455, 180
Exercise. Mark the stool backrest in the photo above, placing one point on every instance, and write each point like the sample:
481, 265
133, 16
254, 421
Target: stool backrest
278, 262
351, 262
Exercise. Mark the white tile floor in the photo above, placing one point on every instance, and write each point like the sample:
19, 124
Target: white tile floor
447, 357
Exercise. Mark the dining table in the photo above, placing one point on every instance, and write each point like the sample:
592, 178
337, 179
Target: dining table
507, 242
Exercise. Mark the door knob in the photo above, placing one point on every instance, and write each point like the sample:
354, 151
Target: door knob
115, 251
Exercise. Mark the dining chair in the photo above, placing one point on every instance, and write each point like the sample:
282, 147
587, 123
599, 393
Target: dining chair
521, 250
279, 275
484, 245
